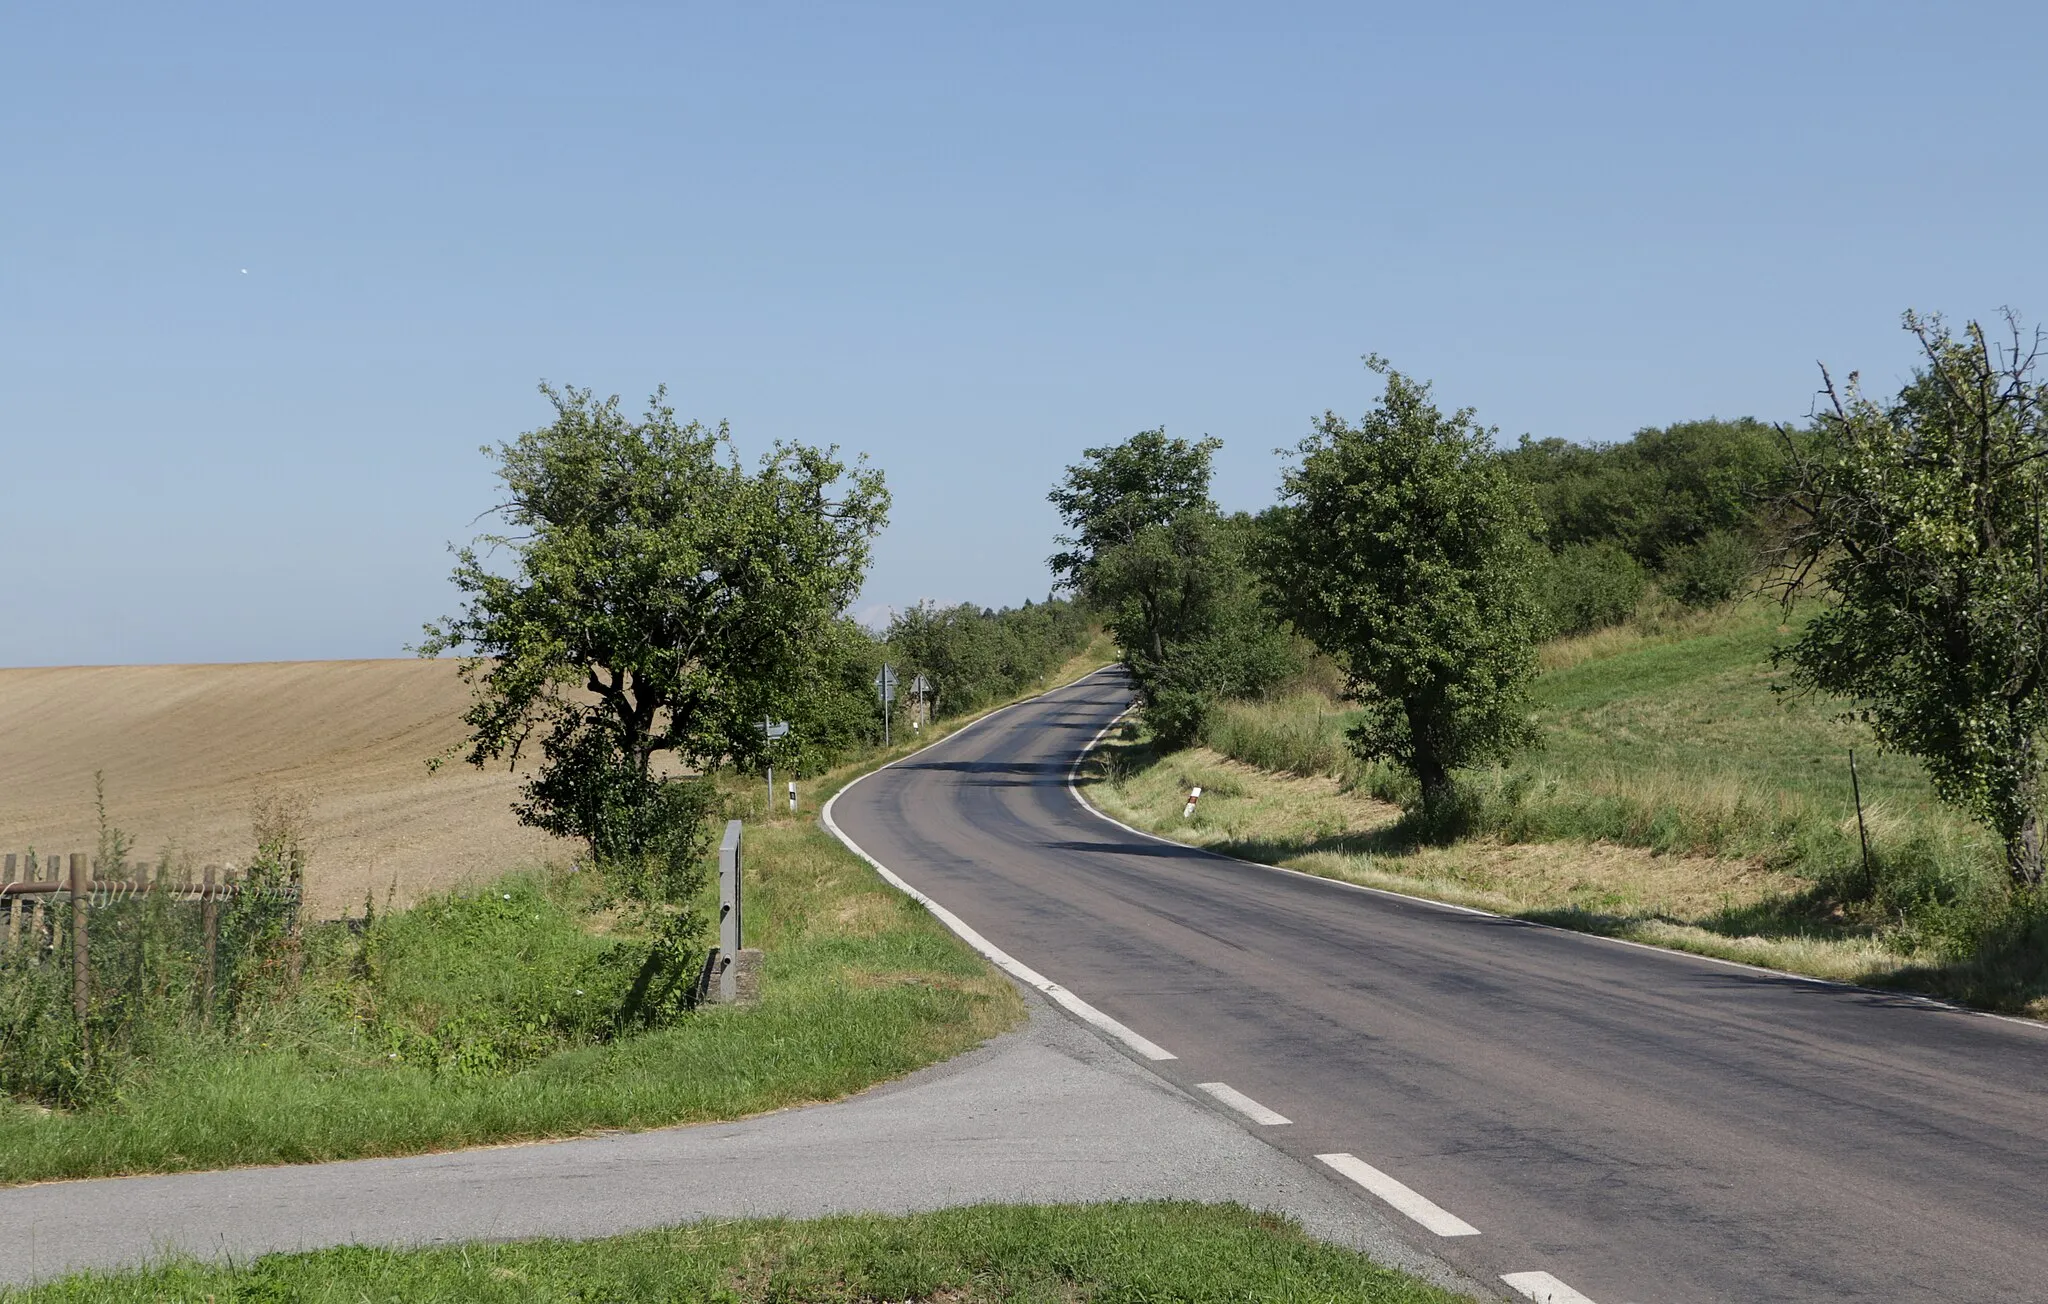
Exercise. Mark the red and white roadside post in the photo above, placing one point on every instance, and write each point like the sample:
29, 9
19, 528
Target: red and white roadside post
1194, 795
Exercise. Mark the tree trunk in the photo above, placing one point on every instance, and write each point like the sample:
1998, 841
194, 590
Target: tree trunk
1428, 766
1435, 781
1435, 778
2023, 850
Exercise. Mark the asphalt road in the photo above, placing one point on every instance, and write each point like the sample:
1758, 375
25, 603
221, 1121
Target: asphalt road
1637, 1124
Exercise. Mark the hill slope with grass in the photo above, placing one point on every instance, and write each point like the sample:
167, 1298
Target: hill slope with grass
1678, 797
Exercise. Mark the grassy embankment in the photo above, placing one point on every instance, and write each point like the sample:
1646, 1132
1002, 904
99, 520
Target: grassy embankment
1056, 1254
489, 1016
1676, 799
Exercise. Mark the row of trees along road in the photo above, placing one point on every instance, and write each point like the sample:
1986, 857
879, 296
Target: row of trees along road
1428, 563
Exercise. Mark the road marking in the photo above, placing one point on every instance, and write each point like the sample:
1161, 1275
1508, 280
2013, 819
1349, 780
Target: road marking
1544, 1288
1244, 1104
1436, 1219
1022, 972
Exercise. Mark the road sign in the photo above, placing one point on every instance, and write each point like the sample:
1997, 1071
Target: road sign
920, 688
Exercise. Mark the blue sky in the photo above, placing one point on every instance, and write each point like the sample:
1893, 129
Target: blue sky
968, 240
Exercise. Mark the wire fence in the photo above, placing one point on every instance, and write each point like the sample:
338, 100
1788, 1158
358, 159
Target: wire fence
129, 939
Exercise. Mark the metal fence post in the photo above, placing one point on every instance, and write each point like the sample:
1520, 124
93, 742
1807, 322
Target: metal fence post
729, 914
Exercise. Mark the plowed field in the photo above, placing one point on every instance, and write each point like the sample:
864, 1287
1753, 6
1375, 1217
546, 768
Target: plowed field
187, 749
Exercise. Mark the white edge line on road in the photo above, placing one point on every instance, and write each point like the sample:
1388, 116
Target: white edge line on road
1430, 1215
1544, 1288
996, 955
1244, 1104
1073, 786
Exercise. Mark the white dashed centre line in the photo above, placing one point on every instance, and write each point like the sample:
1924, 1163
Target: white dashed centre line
1544, 1288
1438, 1220
1244, 1104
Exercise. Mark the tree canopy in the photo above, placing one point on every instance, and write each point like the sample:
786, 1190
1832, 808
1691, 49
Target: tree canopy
1149, 550
1117, 491
1924, 516
652, 595
1406, 551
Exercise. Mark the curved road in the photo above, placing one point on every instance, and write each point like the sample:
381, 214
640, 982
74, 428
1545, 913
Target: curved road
1637, 1124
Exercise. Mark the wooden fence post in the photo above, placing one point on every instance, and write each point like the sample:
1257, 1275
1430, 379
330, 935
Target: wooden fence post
209, 916
81, 966
13, 908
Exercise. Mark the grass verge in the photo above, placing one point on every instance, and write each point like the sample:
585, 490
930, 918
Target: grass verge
1056, 1254
471, 1020
1677, 800
860, 985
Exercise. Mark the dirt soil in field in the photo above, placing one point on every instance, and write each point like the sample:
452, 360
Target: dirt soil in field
186, 750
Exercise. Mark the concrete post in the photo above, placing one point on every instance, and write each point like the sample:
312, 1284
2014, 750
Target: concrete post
729, 936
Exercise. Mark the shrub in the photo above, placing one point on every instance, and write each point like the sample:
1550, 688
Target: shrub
1712, 571
1590, 586
1177, 716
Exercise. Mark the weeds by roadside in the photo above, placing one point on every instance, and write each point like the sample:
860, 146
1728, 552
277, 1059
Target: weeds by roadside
489, 1016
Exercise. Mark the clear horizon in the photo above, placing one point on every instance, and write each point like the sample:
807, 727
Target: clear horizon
271, 277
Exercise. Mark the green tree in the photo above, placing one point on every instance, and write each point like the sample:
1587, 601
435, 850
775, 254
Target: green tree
1148, 549
1925, 520
1117, 492
1405, 549
653, 597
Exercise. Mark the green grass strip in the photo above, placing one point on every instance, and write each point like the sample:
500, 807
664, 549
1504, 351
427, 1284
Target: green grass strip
1056, 1254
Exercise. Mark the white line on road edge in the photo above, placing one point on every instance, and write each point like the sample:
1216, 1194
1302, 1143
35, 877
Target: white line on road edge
1438, 1220
996, 955
1544, 1288
1244, 1104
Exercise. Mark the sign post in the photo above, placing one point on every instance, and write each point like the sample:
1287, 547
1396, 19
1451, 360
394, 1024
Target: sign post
920, 699
885, 685
772, 730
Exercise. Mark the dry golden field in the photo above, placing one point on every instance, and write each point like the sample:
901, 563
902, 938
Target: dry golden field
186, 750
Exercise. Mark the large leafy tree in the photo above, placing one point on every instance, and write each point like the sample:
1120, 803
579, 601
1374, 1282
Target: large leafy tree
1148, 549
651, 596
1117, 492
1405, 549
1926, 518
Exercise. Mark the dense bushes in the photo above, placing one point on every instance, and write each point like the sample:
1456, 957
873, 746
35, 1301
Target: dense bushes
1589, 586
1661, 491
1689, 503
